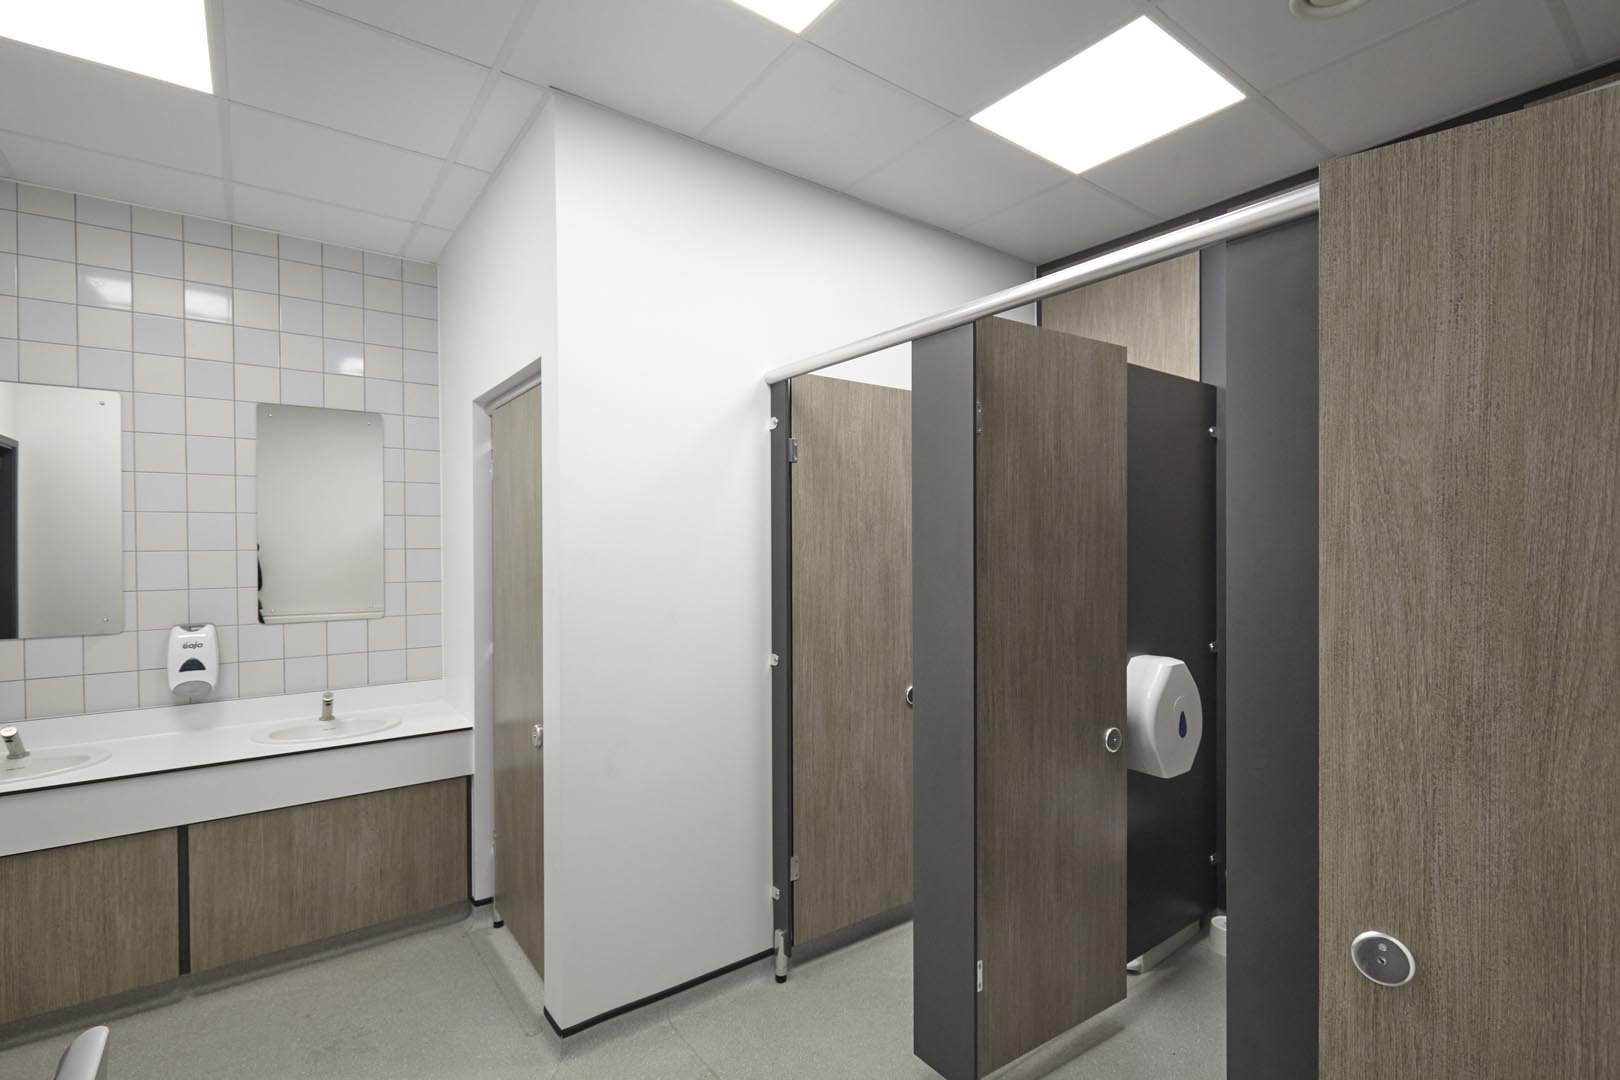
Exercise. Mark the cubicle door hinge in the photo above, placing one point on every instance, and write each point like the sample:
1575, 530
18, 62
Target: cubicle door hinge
776, 894
980, 988
793, 868
978, 418
792, 450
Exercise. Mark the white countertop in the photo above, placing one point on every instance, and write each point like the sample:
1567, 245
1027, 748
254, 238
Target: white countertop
180, 765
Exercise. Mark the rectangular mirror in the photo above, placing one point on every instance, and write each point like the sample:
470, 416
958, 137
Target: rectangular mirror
61, 511
320, 514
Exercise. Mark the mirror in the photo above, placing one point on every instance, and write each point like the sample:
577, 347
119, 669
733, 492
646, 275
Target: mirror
320, 514
61, 511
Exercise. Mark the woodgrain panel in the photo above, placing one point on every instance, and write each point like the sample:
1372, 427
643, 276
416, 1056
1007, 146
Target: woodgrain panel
265, 882
520, 856
1153, 312
1051, 604
87, 921
1470, 597
851, 652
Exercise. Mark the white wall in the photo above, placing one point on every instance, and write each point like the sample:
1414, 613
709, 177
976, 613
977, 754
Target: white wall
682, 275
498, 289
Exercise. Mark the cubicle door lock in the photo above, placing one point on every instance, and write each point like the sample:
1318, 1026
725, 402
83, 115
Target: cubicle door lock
1113, 738
537, 736
1383, 959
910, 700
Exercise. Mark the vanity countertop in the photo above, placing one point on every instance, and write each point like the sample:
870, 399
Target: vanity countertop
171, 766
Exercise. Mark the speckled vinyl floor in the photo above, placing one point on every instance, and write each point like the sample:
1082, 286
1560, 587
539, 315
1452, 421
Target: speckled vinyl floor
440, 1004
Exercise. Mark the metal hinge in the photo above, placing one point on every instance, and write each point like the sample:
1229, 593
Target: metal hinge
980, 989
776, 894
773, 424
978, 418
793, 450
793, 868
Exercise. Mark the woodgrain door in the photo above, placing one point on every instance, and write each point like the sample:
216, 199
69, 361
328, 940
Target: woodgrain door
851, 652
1470, 598
520, 868
1050, 543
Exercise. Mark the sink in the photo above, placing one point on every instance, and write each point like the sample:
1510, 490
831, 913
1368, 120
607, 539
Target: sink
310, 731
48, 763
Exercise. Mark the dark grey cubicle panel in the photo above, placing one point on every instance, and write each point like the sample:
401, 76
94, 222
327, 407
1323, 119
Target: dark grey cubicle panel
1268, 427
945, 869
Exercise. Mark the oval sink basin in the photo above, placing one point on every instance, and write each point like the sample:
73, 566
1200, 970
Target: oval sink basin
48, 763
308, 731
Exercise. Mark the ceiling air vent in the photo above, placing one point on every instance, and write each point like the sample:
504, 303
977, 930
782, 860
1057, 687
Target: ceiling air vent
1323, 9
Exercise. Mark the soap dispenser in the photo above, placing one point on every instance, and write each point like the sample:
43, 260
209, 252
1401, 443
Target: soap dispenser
193, 660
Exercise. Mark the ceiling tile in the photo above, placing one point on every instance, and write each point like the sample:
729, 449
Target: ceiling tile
471, 28
1066, 219
958, 175
1265, 43
280, 212
295, 60
1233, 151
966, 54
674, 63
74, 101
1467, 58
428, 243
1598, 23
70, 168
824, 119
500, 121
461, 189
273, 152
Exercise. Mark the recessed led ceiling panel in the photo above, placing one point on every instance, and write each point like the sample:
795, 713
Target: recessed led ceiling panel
1134, 86
793, 14
162, 39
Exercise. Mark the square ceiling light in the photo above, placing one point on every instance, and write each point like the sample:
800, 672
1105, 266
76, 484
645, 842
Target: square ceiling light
1134, 86
793, 14
162, 39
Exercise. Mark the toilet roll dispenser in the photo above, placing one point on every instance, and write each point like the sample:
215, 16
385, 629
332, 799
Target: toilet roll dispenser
1164, 717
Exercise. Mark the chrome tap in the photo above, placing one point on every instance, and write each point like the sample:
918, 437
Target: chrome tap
326, 708
15, 750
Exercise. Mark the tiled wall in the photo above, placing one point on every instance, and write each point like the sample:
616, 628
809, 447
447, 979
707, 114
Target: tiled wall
194, 322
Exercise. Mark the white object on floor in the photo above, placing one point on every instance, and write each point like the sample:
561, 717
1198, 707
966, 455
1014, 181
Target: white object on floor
1164, 718
1217, 935
86, 1057
1163, 950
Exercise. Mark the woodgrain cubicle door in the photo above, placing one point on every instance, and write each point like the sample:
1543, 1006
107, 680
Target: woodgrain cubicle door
1470, 597
851, 652
1051, 622
520, 865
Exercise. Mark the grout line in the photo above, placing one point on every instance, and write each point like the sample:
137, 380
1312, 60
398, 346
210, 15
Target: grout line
492, 78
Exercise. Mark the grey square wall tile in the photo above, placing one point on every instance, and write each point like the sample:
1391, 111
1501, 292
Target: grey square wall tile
44, 320
206, 231
384, 395
305, 674
157, 256
209, 379
160, 492
106, 369
11, 700
302, 387
422, 301
211, 532
300, 250
422, 565
384, 328
8, 274
261, 348
256, 272
300, 316
100, 287
217, 606
160, 570
258, 642
422, 500
342, 287
110, 215
46, 238
386, 667
111, 692
160, 334
8, 360
205, 454
46, 658
161, 413
421, 631
387, 266
421, 433
421, 367
211, 303
346, 637
344, 357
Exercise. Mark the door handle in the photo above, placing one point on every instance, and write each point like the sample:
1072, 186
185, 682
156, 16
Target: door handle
1113, 739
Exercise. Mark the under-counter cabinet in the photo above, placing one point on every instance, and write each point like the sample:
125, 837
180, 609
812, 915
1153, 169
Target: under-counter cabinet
87, 922
93, 920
